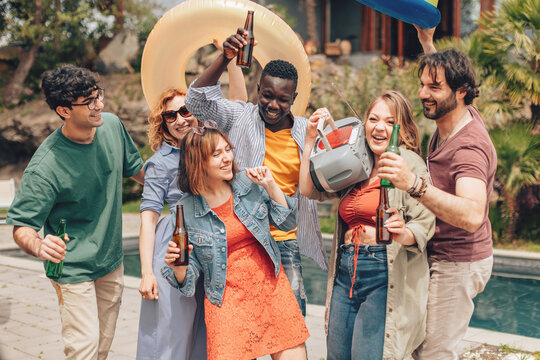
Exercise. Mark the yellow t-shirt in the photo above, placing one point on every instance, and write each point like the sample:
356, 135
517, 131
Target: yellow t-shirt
283, 159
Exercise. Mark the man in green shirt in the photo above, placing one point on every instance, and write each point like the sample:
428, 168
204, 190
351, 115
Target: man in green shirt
76, 174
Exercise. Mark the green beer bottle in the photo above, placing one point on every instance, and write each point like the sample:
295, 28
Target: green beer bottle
54, 270
392, 147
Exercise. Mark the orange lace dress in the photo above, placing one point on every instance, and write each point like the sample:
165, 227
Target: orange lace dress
259, 314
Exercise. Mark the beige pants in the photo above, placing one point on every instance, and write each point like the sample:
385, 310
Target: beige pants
88, 313
452, 288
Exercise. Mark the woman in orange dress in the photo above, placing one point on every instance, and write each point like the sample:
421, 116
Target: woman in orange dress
250, 308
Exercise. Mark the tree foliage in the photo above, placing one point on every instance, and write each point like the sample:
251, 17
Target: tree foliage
506, 53
62, 31
518, 166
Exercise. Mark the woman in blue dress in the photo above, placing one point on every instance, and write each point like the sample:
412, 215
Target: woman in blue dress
171, 326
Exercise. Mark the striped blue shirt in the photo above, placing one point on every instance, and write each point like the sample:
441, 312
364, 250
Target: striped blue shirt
245, 128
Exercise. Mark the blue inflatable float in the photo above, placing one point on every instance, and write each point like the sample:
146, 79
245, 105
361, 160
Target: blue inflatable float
423, 13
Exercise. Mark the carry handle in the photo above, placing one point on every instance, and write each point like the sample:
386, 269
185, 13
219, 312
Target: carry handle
320, 129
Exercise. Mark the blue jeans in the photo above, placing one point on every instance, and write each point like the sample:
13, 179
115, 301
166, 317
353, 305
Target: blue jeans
292, 265
356, 325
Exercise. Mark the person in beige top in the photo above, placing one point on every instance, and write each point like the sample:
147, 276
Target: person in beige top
376, 294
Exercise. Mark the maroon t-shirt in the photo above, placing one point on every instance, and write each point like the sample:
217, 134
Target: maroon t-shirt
469, 153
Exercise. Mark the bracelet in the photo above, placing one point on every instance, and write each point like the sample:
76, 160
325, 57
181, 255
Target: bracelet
421, 191
414, 186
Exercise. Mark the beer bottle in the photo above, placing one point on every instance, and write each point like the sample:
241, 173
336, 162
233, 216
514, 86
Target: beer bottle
392, 147
180, 237
243, 59
54, 270
382, 236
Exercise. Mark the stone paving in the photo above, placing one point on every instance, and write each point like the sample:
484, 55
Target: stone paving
30, 322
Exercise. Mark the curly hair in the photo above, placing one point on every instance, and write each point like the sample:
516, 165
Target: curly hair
65, 84
281, 69
401, 109
194, 153
158, 132
458, 71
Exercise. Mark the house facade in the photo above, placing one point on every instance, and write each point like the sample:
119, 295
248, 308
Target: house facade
370, 31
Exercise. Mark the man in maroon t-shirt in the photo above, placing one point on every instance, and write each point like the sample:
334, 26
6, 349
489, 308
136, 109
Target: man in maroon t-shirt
461, 166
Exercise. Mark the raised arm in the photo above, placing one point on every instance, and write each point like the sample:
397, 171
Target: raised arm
237, 84
305, 183
425, 36
230, 49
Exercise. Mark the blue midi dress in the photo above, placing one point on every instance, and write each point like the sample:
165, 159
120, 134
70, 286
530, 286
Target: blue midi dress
172, 327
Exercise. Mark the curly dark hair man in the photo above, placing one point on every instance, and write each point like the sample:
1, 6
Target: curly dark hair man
76, 175
461, 163
458, 70
63, 85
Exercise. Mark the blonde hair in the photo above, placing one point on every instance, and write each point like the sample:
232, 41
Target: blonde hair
195, 151
158, 131
401, 108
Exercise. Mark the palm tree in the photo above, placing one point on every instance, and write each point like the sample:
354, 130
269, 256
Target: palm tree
505, 51
509, 51
518, 164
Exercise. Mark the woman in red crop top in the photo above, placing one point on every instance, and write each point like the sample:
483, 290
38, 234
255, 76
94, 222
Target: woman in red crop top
376, 296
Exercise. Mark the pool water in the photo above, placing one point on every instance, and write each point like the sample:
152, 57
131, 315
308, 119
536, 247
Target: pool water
508, 304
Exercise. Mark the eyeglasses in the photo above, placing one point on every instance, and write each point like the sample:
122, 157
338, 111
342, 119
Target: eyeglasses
171, 115
209, 124
92, 102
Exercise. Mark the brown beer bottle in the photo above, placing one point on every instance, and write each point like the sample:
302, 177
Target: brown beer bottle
382, 236
243, 59
180, 237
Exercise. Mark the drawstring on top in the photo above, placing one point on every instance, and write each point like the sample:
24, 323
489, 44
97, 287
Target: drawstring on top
356, 238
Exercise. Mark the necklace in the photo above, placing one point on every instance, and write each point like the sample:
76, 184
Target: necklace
454, 129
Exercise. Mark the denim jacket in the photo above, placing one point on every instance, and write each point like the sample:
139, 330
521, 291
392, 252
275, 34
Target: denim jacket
207, 234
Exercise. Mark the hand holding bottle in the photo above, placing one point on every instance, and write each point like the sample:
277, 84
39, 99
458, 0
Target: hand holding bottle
396, 225
172, 254
394, 168
53, 248
241, 44
234, 43
54, 268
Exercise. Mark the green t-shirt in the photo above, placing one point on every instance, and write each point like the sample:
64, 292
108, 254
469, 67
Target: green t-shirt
83, 184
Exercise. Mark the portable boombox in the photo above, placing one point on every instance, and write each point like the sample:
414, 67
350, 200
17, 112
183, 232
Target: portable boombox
341, 156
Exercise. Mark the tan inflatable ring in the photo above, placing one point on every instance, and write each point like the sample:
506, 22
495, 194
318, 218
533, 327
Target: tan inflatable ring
192, 24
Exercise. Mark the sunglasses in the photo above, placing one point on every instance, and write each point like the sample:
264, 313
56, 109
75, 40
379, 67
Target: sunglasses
171, 115
209, 124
